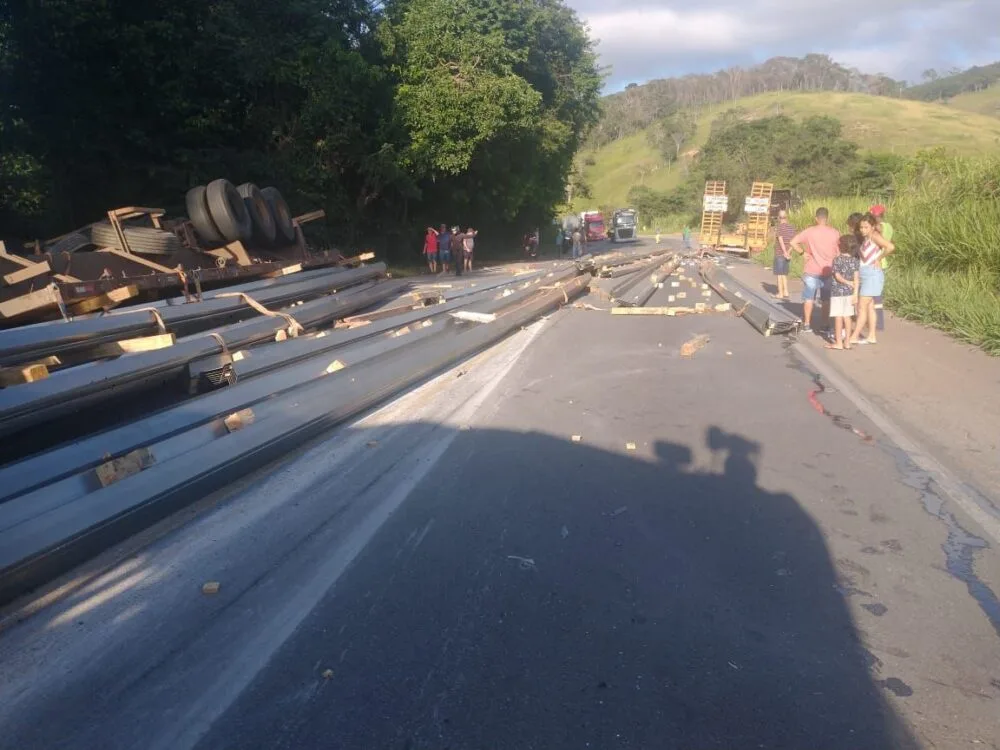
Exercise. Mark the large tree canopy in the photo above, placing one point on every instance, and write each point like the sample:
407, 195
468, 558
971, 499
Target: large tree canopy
460, 110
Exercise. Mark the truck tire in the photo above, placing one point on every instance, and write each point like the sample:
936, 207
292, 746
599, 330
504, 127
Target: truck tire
143, 240
201, 219
285, 229
228, 210
264, 229
69, 244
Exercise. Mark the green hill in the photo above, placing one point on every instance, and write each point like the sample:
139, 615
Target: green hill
985, 102
875, 123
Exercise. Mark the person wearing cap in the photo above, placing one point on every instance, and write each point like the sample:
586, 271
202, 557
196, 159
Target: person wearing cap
886, 230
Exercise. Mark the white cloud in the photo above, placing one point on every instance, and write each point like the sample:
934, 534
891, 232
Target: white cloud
647, 39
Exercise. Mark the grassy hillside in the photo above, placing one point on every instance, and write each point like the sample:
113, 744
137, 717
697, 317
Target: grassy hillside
875, 123
985, 102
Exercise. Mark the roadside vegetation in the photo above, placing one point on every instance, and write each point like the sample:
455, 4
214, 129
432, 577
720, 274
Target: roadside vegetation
915, 149
946, 271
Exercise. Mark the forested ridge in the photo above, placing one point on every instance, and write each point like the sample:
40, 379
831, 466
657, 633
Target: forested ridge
641, 105
389, 116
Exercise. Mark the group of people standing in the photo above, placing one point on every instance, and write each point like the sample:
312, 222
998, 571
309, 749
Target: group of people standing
573, 238
444, 246
846, 271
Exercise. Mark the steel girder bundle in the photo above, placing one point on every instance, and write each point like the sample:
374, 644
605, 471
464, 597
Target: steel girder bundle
648, 283
39, 539
607, 264
58, 463
38, 341
73, 389
761, 312
621, 289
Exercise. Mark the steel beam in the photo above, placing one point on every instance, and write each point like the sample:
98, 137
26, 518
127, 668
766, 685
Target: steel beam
29, 343
34, 549
76, 388
759, 311
45, 468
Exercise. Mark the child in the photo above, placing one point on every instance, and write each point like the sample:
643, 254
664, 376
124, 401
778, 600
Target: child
844, 291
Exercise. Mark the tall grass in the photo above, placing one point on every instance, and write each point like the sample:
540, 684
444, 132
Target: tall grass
946, 269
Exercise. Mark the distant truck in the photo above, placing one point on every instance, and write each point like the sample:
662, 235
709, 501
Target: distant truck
592, 225
624, 225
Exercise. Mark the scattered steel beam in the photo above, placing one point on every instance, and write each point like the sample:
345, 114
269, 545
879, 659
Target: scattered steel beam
76, 388
639, 295
760, 312
38, 543
33, 342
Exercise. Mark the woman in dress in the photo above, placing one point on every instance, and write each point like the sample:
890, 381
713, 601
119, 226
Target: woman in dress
874, 247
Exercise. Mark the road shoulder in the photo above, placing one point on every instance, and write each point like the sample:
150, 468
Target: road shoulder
940, 391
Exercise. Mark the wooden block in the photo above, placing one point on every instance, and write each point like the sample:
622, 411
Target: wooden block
474, 316
286, 271
32, 302
210, 588
335, 366
704, 286
672, 298
682, 295
706, 294
723, 307
670, 311
699, 306
124, 466
28, 272
369, 256
238, 420
129, 346
311, 216
24, 374
104, 301
675, 284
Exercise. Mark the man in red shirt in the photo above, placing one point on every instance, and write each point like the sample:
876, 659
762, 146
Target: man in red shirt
819, 244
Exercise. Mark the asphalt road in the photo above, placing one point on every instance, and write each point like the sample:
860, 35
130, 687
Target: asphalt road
579, 539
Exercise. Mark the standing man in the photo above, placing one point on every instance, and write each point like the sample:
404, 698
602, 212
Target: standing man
886, 230
820, 245
577, 240
468, 246
458, 247
783, 236
686, 234
431, 249
444, 248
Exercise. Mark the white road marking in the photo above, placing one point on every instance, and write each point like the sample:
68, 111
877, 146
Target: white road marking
255, 653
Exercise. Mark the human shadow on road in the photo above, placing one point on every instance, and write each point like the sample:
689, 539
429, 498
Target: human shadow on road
562, 595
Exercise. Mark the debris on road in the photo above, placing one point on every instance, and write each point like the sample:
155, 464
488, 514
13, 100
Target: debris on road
210, 587
525, 563
618, 511
695, 344
576, 438
327, 674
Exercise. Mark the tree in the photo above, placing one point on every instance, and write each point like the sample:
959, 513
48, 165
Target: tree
810, 157
495, 98
929, 75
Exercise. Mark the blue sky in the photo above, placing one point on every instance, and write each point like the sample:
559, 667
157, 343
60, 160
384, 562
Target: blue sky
644, 39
